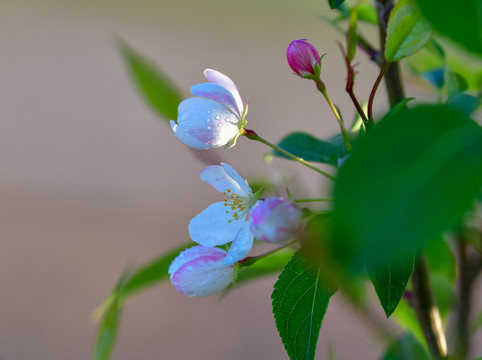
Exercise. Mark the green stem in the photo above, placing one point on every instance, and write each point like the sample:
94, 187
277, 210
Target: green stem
250, 260
310, 200
320, 85
250, 134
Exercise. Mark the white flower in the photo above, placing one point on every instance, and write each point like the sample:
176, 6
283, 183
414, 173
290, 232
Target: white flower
199, 271
225, 221
215, 117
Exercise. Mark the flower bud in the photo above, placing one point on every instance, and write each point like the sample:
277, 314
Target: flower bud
304, 59
275, 220
199, 271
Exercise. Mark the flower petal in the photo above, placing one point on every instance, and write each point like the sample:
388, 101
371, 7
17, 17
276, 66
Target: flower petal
192, 253
215, 77
240, 246
217, 93
223, 177
207, 121
214, 226
203, 275
188, 139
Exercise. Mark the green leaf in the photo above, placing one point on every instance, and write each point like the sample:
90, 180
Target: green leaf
144, 276
310, 148
405, 316
153, 272
390, 281
459, 21
444, 294
335, 3
154, 86
109, 325
410, 179
441, 259
351, 34
407, 31
465, 103
454, 83
300, 298
406, 347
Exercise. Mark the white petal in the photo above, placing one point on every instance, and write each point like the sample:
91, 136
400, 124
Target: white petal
214, 226
215, 77
216, 93
188, 139
208, 121
223, 178
240, 246
192, 253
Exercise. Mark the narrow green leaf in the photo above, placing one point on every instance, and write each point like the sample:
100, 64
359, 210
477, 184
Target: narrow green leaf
153, 272
407, 31
109, 324
410, 179
390, 281
406, 347
335, 3
351, 35
300, 298
154, 86
459, 21
310, 148
441, 259
107, 331
144, 276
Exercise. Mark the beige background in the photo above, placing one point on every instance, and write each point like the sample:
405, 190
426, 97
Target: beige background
91, 181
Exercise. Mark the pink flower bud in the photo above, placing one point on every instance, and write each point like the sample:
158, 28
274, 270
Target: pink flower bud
275, 220
304, 59
199, 271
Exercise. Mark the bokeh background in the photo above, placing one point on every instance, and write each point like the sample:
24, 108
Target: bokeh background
91, 181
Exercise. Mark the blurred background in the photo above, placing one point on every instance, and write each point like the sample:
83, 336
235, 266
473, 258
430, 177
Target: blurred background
92, 181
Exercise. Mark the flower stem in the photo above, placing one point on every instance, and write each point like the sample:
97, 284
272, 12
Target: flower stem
320, 85
250, 134
250, 260
374, 90
310, 200
350, 81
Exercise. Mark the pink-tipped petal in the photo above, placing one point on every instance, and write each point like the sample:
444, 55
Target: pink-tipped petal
215, 77
208, 121
218, 94
203, 274
275, 220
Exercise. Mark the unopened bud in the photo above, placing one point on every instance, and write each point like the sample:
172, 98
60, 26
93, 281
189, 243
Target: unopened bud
304, 59
275, 220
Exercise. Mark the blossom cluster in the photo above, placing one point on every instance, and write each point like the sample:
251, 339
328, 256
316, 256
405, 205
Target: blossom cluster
215, 117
